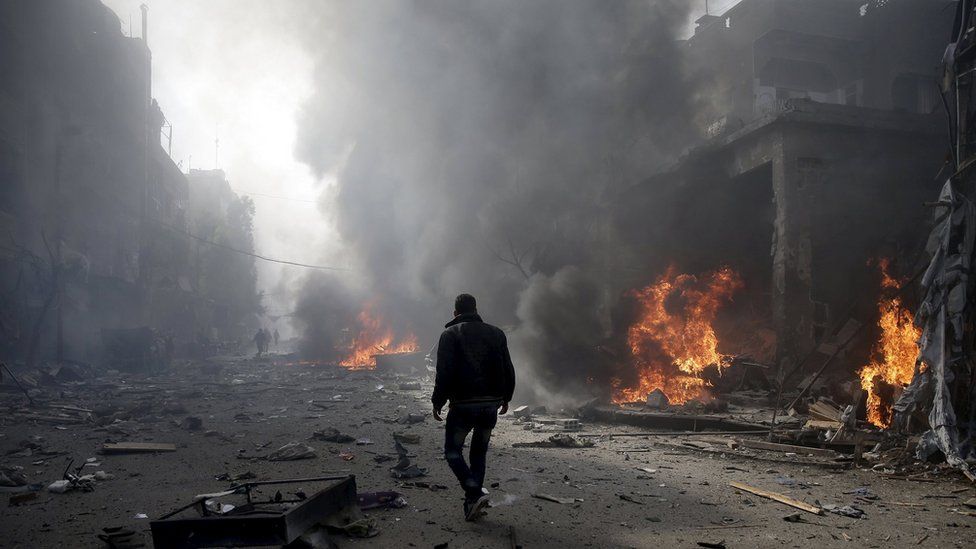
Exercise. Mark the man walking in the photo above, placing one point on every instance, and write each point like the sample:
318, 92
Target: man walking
475, 373
260, 341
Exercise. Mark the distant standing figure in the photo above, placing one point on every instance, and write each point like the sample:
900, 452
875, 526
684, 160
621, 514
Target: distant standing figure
260, 340
475, 373
276, 336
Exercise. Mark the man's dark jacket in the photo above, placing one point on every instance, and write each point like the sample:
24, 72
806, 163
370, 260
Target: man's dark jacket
473, 364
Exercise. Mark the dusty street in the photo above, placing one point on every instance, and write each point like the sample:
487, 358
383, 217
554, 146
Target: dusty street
250, 407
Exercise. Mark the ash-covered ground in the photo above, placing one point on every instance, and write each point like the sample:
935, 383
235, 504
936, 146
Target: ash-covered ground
653, 491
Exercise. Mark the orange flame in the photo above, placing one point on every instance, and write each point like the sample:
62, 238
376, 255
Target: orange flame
894, 354
375, 337
671, 348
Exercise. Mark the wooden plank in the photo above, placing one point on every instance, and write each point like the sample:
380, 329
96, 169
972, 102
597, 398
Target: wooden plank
821, 413
69, 408
724, 453
824, 412
62, 420
786, 500
775, 447
825, 425
667, 420
137, 447
554, 499
826, 408
673, 433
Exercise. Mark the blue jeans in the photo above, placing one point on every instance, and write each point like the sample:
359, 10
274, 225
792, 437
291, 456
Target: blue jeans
461, 420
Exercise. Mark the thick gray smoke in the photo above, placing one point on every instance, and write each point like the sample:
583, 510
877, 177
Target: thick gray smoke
474, 143
321, 315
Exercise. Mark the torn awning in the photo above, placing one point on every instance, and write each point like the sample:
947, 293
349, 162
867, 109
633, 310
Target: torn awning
943, 376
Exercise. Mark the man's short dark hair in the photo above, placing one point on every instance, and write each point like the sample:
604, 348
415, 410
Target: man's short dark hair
465, 303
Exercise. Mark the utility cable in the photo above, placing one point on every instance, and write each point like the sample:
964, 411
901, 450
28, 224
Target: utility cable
251, 254
304, 200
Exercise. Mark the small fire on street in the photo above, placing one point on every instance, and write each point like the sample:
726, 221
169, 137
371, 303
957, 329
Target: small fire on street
375, 337
673, 340
893, 355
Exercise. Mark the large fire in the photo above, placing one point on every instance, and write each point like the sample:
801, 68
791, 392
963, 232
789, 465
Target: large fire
375, 337
894, 354
672, 340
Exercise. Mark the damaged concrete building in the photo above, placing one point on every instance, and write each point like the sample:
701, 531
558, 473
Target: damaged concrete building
830, 138
93, 210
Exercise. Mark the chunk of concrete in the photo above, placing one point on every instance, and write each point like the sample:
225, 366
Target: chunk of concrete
657, 399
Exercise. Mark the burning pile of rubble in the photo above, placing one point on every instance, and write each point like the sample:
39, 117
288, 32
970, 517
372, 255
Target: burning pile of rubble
673, 341
375, 337
867, 410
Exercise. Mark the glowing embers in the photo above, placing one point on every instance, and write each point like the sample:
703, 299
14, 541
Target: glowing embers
374, 337
893, 355
673, 339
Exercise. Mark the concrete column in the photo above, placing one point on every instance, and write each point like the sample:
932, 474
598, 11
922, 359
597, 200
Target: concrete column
792, 252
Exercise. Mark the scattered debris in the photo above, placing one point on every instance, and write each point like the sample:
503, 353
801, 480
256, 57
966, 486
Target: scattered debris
235, 478
332, 434
12, 476
844, 511
361, 528
790, 481
408, 471
407, 438
376, 500
60, 486
136, 447
425, 485
292, 451
410, 419
631, 499
557, 441
404, 469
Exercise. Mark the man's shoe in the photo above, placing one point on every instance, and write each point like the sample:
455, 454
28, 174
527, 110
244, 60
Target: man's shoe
474, 509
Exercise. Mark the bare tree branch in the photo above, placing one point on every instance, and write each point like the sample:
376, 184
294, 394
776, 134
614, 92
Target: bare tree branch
516, 259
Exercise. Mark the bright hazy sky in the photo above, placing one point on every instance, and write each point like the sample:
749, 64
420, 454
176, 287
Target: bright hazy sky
229, 68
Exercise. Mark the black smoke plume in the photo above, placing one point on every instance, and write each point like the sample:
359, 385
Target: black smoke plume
474, 144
